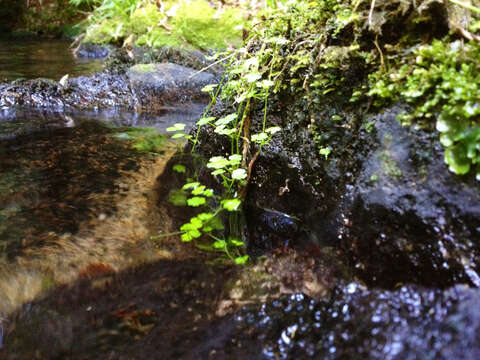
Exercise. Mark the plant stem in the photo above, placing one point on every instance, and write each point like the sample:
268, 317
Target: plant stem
214, 99
153, 237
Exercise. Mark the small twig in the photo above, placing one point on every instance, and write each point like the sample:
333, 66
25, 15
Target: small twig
382, 62
370, 14
243, 192
213, 64
246, 140
465, 33
250, 44
165, 26
355, 5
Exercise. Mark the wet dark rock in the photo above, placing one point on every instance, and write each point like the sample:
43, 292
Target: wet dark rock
103, 90
270, 229
408, 323
148, 87
120, 59
412, 219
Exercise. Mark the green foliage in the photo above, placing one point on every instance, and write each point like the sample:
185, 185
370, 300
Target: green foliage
288, 52
441, 81
52, 17
185, 23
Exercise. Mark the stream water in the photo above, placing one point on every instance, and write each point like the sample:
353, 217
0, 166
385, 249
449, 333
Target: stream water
81, 194
32, 58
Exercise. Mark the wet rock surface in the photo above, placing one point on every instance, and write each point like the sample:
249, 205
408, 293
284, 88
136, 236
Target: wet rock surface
124, 316
143, 88
408, 323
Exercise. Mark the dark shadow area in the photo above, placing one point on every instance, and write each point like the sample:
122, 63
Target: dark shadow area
11, 12
168, 310
164, 310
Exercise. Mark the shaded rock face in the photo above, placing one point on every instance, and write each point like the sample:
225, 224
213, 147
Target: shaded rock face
384, 198
143, 87
412, 219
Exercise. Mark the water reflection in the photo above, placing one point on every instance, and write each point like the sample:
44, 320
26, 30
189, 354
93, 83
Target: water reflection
22, 121
31, 58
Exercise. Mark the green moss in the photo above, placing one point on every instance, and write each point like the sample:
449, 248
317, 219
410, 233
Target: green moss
441, 81
204, 27
160, 37
194, 24
145, 19
108, 31
389, 165
144, 67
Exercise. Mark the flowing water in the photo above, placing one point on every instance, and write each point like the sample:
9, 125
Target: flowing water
82, 194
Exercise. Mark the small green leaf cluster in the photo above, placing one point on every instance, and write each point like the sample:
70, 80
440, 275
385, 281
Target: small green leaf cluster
205, 222
208, 223
441, 81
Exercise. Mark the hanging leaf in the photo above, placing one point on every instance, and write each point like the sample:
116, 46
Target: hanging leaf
190, 185
218, 172
196, 201
179, 168
226, 119
259, 138
217, 162
235, 242
239, 174
205, 121
273, 130
231, 204
209, 88
241, 260
176, 127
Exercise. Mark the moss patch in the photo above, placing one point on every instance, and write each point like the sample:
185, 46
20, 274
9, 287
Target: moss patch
190, 24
